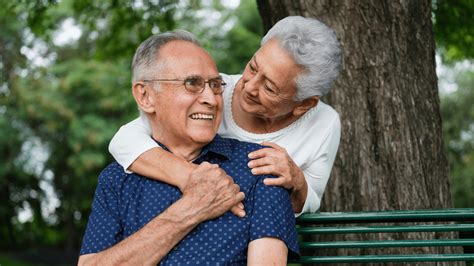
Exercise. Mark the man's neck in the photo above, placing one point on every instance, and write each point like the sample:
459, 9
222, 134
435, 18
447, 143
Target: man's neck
184, 150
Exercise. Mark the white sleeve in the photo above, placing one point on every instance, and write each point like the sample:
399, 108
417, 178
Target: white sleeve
317, 174
130, 141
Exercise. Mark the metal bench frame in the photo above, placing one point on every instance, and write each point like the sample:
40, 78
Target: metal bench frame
324, 223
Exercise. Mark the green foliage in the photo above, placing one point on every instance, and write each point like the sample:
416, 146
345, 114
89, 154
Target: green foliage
237, 46
6, 259
454, 29
458, 131
75, 111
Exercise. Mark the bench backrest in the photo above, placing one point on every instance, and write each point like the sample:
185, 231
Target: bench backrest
402, 223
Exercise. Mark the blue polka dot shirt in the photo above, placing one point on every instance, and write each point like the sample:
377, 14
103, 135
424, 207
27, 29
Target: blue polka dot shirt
124, 203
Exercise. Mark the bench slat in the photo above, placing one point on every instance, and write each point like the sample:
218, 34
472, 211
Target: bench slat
388, 243
363, 222
388, 258
389, 216
386, 229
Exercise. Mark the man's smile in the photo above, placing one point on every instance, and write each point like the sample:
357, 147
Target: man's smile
202, 116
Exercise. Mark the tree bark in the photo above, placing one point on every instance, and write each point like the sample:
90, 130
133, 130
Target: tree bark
391, 153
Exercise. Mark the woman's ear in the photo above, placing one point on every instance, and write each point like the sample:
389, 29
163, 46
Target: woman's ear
305, 105
144, 96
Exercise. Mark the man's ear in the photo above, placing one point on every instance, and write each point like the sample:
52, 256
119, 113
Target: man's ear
305, 105
144, 96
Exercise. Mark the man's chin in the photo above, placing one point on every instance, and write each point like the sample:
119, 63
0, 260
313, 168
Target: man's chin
204, 139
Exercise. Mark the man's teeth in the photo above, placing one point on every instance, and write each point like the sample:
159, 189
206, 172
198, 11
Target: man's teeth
202, 116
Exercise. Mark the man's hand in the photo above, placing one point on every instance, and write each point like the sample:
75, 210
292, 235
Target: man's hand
212, 192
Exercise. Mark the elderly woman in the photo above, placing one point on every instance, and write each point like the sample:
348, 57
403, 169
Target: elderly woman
276, 102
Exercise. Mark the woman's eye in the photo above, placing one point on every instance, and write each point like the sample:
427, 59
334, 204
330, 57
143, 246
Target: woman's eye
252, 68
269, 90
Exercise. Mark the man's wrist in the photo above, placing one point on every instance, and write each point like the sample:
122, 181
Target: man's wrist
182, 212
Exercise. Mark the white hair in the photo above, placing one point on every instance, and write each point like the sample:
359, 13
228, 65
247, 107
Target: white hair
315, 47
145, 61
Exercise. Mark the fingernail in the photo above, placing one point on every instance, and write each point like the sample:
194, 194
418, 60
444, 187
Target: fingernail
253, 171
250, 155
249, 164
241, 205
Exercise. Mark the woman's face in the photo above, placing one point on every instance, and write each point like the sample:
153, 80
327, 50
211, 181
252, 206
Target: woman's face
268, 83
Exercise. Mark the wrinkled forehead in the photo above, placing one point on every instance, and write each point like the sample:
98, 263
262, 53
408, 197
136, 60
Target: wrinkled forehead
181, 57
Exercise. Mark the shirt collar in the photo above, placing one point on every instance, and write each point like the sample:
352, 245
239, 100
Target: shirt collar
218, 146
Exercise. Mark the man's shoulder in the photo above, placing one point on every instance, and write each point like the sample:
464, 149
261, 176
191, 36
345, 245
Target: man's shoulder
241, 146
112, 174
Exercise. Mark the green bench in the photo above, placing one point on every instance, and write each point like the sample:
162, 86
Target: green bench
395, 225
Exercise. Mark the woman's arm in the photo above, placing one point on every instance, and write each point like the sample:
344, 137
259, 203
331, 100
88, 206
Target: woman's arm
134, 149
267, 251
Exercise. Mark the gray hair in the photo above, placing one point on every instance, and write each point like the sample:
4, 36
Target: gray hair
145, 61
315, 47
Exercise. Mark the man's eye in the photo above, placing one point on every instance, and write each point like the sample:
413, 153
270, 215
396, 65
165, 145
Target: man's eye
192, 81
214, 83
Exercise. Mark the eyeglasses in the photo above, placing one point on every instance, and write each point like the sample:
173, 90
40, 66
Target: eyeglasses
197, 84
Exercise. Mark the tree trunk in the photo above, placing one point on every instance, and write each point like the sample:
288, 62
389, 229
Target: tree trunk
391, 153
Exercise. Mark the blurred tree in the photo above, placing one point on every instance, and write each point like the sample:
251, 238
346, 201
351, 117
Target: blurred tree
454, 29
74, 111
235, 48
72, 107
457, 109
19, 187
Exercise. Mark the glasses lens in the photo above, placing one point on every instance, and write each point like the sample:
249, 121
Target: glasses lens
194, 84
216, 85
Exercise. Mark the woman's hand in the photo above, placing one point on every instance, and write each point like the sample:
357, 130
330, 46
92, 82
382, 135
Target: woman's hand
275, 160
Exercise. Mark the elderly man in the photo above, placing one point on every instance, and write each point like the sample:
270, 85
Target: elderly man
138, 220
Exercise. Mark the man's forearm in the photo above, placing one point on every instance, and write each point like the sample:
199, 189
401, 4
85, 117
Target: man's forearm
150, 244
161, 165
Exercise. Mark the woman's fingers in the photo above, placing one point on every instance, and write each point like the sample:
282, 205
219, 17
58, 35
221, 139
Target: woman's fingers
264, 170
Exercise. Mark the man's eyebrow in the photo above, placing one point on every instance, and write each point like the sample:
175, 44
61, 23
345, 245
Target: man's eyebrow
254, 59
199, 76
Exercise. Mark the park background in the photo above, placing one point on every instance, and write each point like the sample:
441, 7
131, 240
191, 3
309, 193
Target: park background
65, 90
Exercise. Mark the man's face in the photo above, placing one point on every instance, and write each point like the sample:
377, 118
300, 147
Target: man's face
268, 82
184, 118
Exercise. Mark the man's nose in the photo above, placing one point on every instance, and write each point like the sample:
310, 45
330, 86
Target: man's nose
208, 97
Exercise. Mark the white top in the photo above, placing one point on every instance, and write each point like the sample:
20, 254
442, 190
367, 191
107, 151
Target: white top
311, 141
